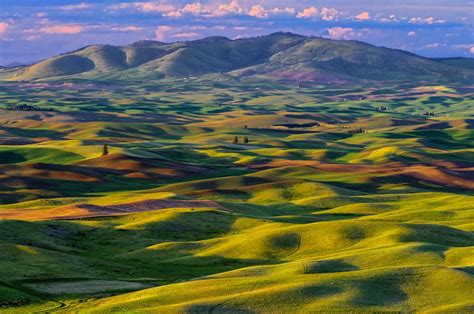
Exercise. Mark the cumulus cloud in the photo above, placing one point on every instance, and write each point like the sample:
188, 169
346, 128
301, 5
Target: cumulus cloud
153, 7
330, 14
161, 32
340, 32
363, 16
258, 11
208, 10
222, 8
346, 32
233, 7
193, 8
326, 14
286, 10
176, 13
307, 13
411, 33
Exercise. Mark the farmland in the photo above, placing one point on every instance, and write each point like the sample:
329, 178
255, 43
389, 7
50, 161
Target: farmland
221, 194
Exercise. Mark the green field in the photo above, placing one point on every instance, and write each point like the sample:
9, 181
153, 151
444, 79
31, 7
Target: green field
221, 194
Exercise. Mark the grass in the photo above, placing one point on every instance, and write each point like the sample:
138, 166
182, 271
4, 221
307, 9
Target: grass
301, 219
15, 155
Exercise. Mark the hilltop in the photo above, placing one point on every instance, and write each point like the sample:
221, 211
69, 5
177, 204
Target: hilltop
283, 56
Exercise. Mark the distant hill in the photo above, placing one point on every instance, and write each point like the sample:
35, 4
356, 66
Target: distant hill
467, 63
14, 65
277, 56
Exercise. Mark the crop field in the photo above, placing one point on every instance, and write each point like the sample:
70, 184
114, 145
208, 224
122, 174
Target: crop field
217, 194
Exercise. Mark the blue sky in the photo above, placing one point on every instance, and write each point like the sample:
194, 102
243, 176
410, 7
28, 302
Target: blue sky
37, 29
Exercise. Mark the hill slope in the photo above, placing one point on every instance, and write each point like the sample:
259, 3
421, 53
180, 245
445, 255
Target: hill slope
279, 55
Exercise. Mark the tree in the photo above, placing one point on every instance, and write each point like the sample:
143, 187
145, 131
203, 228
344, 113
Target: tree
105, 150
246, 140
236, 140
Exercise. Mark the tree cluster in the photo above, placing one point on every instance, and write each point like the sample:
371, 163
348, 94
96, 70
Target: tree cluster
25, 107
245, 140
357, 131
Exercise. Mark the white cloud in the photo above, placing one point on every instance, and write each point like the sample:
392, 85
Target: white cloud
411, 33
429, 20
327, 14
166, 32
175, 13
391, 18
258, 11
130, 28
198, 27
153, 7
46, 27
51, 29
330, 14
363, 16
307, 13
340, 32
185, 35
433, 45
286, 10
73, 7
219, 27
147, 7
3, 28
467, 47
233, 7
346, 32
161, 32
193, 8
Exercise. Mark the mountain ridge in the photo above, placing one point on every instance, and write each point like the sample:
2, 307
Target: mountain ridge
279, 55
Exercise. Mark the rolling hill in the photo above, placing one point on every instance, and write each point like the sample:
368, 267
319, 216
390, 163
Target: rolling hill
279, 56
236, 195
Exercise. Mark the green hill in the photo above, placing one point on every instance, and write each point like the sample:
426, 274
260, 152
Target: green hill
279, 55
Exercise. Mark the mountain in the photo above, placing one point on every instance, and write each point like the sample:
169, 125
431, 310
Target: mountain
279, 55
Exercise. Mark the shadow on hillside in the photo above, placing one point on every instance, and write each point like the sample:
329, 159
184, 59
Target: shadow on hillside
382, 290
9, 157
32, 133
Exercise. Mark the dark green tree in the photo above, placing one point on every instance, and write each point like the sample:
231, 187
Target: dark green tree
105, 150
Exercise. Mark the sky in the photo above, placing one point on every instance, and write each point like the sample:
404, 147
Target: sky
32, 30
